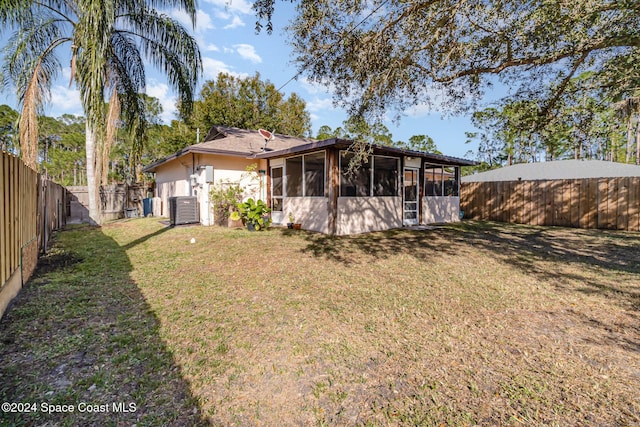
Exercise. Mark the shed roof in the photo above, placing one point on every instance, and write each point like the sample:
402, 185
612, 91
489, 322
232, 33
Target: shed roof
438, 159
559, 169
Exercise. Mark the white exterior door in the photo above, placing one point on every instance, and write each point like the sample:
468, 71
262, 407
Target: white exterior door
410, 196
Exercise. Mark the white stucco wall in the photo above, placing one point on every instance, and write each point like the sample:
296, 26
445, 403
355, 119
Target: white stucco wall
365, 214
173, 179
311, 212
440, 209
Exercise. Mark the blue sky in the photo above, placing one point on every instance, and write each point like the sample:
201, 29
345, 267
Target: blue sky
228, 43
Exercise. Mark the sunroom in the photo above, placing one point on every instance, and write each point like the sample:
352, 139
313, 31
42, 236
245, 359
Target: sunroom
390, 188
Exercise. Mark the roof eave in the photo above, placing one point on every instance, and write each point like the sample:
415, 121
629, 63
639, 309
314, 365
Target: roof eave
345, 143
153, 166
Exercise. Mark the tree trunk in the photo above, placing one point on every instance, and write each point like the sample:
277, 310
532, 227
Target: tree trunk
95, 216
629, 139
638, 142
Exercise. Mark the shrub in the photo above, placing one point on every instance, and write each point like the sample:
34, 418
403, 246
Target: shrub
224, 198
254, 214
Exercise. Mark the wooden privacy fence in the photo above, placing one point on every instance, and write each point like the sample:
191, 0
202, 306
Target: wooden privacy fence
30, 209
608, 203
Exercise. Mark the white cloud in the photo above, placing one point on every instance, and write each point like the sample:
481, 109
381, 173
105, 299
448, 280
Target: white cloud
65, 100
168, 102
420, 110
248, 52
182, 17
221, 14
203, 20
235, 23
320, 104
210, 47
237, 6
315, 88
212, 67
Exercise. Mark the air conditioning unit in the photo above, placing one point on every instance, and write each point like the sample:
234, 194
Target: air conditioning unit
183, 210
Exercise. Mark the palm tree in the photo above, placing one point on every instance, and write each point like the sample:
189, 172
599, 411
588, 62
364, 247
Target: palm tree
107, 40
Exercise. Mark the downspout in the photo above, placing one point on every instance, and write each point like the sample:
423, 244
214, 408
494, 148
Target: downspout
193, 171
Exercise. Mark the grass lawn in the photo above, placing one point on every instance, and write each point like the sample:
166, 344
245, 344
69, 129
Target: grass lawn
465, 324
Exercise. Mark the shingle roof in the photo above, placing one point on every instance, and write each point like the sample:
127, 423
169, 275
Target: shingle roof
230, 141
250, 142
559, 169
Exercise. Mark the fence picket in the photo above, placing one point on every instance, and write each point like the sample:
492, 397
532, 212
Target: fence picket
610, 203
19, 225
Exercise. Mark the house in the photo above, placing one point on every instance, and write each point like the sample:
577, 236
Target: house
310, 179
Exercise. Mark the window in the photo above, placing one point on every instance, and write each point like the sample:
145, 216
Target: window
305, 175
377, 177
276, 189
385, 176
294, 177
357, 183
314, 174
441, 181
433, 181
450, 176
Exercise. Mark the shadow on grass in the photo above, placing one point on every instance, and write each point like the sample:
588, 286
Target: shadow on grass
81, 334
523, 247
593, 258
146, 237
381, 245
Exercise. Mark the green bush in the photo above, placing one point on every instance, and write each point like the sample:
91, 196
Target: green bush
224, 199
254, 214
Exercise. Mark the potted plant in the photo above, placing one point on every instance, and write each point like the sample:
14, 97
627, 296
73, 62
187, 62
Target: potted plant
291, 220
254, 214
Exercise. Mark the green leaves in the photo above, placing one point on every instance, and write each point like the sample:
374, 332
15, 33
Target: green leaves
250, 103
387, 55
109, 42
254, 213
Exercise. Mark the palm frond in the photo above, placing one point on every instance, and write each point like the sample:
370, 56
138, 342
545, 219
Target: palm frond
188, 6
13, 12
29, 118
124, 59
169, 48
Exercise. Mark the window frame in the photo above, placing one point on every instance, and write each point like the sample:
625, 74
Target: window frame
372, 168
304, 184
274, 196
442, 180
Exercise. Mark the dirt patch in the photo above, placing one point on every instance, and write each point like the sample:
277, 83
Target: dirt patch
56, 259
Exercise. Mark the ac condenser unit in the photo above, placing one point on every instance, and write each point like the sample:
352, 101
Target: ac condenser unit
183, 210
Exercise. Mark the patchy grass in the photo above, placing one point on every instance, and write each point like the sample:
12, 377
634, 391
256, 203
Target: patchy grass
472, 323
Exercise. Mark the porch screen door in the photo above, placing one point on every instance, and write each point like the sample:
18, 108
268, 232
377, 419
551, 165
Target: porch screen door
277, 213
410, 196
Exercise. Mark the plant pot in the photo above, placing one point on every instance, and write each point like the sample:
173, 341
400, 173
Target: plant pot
297, 226
251, 226
290, 225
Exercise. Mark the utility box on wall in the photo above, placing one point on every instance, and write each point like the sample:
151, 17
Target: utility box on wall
208, 174
183, 210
